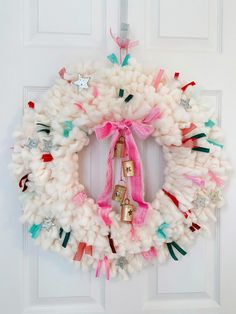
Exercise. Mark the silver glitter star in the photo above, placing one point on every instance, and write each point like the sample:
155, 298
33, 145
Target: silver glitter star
121, 262
81, 82
185, 103
48, 223
216, 196
47, 146
32, 143
199, 202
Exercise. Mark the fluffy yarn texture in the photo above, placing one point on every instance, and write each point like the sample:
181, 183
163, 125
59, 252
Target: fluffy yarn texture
53, 190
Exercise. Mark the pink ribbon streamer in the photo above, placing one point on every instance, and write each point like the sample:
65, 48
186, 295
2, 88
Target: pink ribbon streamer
107, 267
123, 44
157, 79
214, 178
79, 198
148, 255
143, 129
198, 181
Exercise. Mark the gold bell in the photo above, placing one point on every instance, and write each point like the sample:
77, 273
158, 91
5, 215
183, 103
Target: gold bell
119, 150
119, 193
128, 168
127, 210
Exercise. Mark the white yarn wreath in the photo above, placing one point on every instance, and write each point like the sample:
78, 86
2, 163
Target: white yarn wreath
56, 128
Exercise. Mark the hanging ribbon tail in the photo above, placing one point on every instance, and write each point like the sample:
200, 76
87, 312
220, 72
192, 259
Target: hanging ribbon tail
171, 251
107, 267
126, 60
104, 198
136, 181
111, 243
113, 58
178, 248
98, 269
89, 250
80, 252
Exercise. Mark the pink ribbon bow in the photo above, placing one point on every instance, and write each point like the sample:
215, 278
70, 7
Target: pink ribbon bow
123, 44
125, 127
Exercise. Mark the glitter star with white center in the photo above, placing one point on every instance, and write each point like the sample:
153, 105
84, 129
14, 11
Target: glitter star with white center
48, 223
47, 146
82, 82
216, 196
31, 143
185, 103
199, 202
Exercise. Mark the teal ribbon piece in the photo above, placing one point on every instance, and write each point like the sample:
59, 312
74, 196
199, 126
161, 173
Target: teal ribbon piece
68, 127
113, 58
126, 60
66, 238
35, 230
201, 149
215, 143
160, 231
209, 123
170, 246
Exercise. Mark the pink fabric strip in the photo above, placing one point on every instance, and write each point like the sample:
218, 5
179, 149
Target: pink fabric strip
79, 198
157, 79
198, 181
143, 130
214, 178
107, 267
98, 269
150, 253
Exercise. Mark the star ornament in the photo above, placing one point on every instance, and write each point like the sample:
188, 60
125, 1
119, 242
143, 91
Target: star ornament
200, 202
122, 262
48, 223
81, 82
216, 196
185, 103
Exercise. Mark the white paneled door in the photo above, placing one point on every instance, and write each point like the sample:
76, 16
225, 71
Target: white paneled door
38, 37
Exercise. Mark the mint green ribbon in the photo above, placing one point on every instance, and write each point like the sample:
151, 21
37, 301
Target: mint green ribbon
35, 230
114, 60
209, 123
215, 143
126, 60
170, 246
160, 231
68, 127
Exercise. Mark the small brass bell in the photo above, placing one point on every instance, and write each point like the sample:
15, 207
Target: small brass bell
119, 193
127, 210
128, 168
119, 150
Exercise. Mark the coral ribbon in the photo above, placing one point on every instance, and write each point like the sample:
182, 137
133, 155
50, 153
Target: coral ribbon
143, 129
83, 248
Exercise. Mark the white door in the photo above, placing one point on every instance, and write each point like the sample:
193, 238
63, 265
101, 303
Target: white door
37, 38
